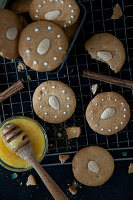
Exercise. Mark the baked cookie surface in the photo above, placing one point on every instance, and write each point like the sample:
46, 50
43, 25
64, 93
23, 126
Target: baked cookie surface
10, 28
62, 12
43, 46
108, 49
20, 6
108, 113
93, 166
54, 101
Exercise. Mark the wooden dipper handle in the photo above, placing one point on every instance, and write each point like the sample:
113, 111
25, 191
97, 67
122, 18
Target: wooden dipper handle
108, 79
11, 90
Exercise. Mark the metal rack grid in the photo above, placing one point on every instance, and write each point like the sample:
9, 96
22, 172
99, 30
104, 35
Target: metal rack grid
98, 20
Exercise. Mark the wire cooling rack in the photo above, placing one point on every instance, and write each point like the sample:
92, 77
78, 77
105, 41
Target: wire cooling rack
98, 20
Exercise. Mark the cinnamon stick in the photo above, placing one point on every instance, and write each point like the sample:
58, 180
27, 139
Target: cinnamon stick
108, 79
11, 90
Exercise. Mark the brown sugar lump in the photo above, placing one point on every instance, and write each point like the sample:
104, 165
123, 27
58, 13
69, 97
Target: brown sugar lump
10, 29
62, 12
43, 46
108, 113
73, 132
54, 101
20, 6
93, 166
108, 49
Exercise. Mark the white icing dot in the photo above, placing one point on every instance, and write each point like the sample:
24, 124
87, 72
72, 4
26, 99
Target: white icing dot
102, 99
92, 118
102, 129
55, 116
64, 113
91, 111
49, 28
36, 29
36, 16
58, 36
116, 127
39, 98
109, 130
45, 63
109, 98
121, 122
27, 51
96, 104
62, 2
122, 103
50, 0
125, 109
55, 58
96, 125
72, 11
40, 106
68, 98
53, 86
115, 99
43, 88
72, 16
39, 5
45, 113
44, 1
28, 38
35, 62
63, 91
37, 10
68, 106
69, 22
124, 116
65, 25
60, 48
69, 5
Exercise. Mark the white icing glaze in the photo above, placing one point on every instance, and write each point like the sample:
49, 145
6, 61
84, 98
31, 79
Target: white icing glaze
28, 38
35, 62
11, 33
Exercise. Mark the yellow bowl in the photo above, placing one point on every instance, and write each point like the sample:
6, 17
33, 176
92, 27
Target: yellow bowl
12, 168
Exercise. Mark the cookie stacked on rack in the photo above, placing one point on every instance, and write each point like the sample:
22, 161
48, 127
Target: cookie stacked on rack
42, 43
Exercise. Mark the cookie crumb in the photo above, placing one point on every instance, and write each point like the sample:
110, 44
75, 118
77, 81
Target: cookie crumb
63, 158
94, 88
73, 190
59, 134
130, 168
21, 183
29, 78
73, 132
51, 145
21, 67
31, 180
117, 12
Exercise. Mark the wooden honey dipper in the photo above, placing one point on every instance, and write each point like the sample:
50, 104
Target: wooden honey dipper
17, 141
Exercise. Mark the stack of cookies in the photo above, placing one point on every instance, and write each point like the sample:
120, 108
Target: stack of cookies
43, 43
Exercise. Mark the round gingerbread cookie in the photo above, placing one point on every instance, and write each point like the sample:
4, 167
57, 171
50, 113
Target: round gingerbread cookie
62, 12
93, 166
108, 113
43, 46
54, 101
20, 6
10, 29
108, 49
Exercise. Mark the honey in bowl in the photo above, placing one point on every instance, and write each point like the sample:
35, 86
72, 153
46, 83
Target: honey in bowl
37, 138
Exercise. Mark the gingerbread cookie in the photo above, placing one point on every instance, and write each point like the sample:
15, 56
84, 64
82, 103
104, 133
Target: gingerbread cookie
108, 113
93, 166
62, 12
43, 46
108, 49
10, 28
54, 102
20, 6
